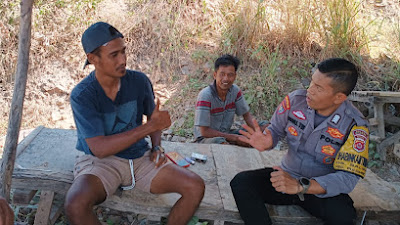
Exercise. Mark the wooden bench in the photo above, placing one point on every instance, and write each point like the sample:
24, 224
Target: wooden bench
375, 101
45, 161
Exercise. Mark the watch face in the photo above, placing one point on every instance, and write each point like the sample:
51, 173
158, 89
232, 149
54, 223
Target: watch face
305, 181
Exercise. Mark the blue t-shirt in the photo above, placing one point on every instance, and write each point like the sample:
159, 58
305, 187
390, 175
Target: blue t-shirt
96, 115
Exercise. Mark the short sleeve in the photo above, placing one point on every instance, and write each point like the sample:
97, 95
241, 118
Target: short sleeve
241, 105
203, 109
148, 102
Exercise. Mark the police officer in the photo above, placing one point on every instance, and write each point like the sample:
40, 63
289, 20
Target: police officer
328, 151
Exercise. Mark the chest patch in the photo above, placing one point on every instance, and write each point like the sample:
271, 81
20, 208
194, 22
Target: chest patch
335, 133
335, 119
328, 160
292, 131
299, 114
328, 150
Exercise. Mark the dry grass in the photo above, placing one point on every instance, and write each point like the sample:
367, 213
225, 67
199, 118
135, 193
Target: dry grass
176, 41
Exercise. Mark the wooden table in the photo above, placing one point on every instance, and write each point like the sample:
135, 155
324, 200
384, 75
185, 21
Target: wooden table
45, 161
375, 102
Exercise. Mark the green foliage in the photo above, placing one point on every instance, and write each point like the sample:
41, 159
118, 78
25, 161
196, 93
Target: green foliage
374, 159
186, 128
262, 90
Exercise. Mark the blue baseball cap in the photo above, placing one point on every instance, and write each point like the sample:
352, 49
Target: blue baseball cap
98, 34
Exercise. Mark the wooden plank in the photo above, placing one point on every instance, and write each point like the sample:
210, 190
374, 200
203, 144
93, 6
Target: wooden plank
44, 208
377, 93
23, 196
229, 162
382, 147
14, 122
393, 120
379, 116
27, 140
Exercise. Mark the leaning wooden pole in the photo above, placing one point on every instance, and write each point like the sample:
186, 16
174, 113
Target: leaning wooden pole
14, 121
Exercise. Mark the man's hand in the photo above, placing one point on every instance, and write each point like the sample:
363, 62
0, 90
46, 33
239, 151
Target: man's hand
158, 157
160, 119
283, 182
255, 137
6, 214
239, 142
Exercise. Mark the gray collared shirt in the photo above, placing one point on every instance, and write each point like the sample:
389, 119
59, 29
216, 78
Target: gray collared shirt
312, 149
219, 115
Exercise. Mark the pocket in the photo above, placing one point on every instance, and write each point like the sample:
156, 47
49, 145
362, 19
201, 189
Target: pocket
84, 162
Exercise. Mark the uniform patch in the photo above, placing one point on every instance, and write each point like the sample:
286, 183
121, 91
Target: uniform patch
328, 150
335, 119
285, 105
353, 155
328, 160
292, 131
360, 139
335, 133
299, 114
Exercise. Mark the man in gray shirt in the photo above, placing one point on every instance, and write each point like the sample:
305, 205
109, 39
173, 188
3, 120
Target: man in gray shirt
217, 105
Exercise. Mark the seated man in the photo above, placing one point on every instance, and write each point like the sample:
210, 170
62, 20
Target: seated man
328, 151
108, 107
217, 105
6, 213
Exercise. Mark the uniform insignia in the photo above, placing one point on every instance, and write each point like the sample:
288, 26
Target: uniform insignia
281, 109
299, 114
328, 150
335, 133
285, 105
360, 139
353, 155
292, 131
328, 160
336, 119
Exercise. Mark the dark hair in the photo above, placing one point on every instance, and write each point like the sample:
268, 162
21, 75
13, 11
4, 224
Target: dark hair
227, 60
344, 74
97, 51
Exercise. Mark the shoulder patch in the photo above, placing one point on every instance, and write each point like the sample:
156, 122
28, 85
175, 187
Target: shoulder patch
353, 155
285, 105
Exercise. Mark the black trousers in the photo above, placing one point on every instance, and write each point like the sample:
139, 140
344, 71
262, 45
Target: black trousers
252, 189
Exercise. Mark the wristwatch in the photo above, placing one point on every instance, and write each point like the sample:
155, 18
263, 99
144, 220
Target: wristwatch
156, 148
305, 183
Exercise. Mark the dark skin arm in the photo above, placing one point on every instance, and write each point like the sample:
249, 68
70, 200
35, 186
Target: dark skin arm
103, 146
6, 214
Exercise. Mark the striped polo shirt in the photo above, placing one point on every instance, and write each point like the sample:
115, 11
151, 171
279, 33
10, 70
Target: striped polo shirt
212, 112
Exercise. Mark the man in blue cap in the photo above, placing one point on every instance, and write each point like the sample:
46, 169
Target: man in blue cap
108, 107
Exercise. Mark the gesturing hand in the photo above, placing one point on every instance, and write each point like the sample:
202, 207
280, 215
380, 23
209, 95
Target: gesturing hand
255, 137
283, 182
160, 119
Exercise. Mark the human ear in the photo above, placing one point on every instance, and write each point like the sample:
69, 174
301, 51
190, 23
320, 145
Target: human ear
92, 58
340, 97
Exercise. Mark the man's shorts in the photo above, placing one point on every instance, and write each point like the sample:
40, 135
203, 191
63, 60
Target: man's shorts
114, 171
